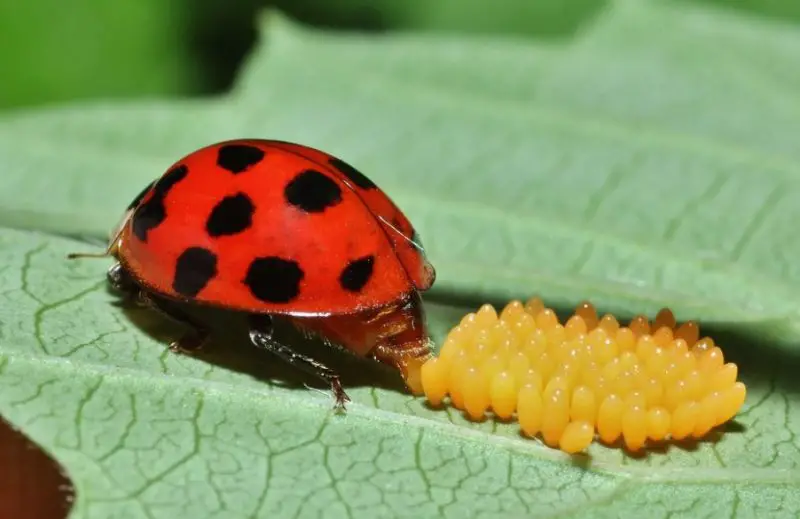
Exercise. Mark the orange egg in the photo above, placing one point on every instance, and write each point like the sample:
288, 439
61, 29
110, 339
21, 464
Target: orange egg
566, 383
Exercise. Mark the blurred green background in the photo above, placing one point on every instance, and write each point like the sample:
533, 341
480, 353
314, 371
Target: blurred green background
54, 51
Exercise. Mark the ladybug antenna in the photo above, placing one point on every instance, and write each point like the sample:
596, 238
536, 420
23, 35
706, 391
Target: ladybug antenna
409, 240
76, 255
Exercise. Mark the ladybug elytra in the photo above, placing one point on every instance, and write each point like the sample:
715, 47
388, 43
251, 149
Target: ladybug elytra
279, 231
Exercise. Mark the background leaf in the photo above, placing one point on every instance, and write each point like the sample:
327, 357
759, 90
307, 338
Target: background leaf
635, 170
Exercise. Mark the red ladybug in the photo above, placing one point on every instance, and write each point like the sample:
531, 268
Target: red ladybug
280, 231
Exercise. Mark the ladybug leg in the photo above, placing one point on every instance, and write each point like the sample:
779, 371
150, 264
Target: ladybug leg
191, 341
261, 335
121, 281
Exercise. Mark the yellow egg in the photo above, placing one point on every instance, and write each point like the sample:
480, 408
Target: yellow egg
518, 365
584, 405
684, 418
639, 325
696, 385
675, 394
662, 336
689, 332
493, 365
534, 306
601, 388
658, 423
452, 344
686, 361
547, 319
612, 370
524, 326
609, 418
502, 334
656, 362
530, 378
512, 312
711, 360
555, 411
627, 360
723, 378
626, 339
556, 334
556, 383
602, 347
575, 327
645, 346
703, 345
634, 426
468, 321
624, 383
475, 393
589, 377
545, 365
664, 319
732, 400
454, 379
535, 345
706, 415
529, 410
678, 347
485, 316
671, 373
635, 398
434, 380
588, 314
609, 323
653, 392
503, 395
569, 371
577, 436
647, 381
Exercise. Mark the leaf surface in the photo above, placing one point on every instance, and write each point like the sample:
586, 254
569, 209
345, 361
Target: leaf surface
633, 166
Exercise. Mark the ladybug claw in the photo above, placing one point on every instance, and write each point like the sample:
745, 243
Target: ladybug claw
188, 344
340, 396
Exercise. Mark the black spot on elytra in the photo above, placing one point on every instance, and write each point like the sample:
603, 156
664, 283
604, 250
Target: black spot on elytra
274, 280
195, 267
152, 213
353, 174
232, 215
237, 158
357, 273
312, 191
139, 197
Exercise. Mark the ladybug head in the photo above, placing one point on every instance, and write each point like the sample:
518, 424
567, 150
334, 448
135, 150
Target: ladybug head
402, 340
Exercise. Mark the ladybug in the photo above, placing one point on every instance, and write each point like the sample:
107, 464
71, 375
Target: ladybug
280, 231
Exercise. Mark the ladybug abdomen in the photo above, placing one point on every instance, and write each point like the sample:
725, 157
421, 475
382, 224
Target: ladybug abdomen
255, 228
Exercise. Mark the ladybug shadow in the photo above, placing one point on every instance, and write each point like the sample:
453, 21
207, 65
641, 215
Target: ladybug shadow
229, 348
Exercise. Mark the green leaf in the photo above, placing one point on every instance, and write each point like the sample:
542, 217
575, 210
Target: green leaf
651, 161
93, 49
520, 17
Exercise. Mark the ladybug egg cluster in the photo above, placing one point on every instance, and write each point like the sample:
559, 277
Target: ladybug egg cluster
588, 376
